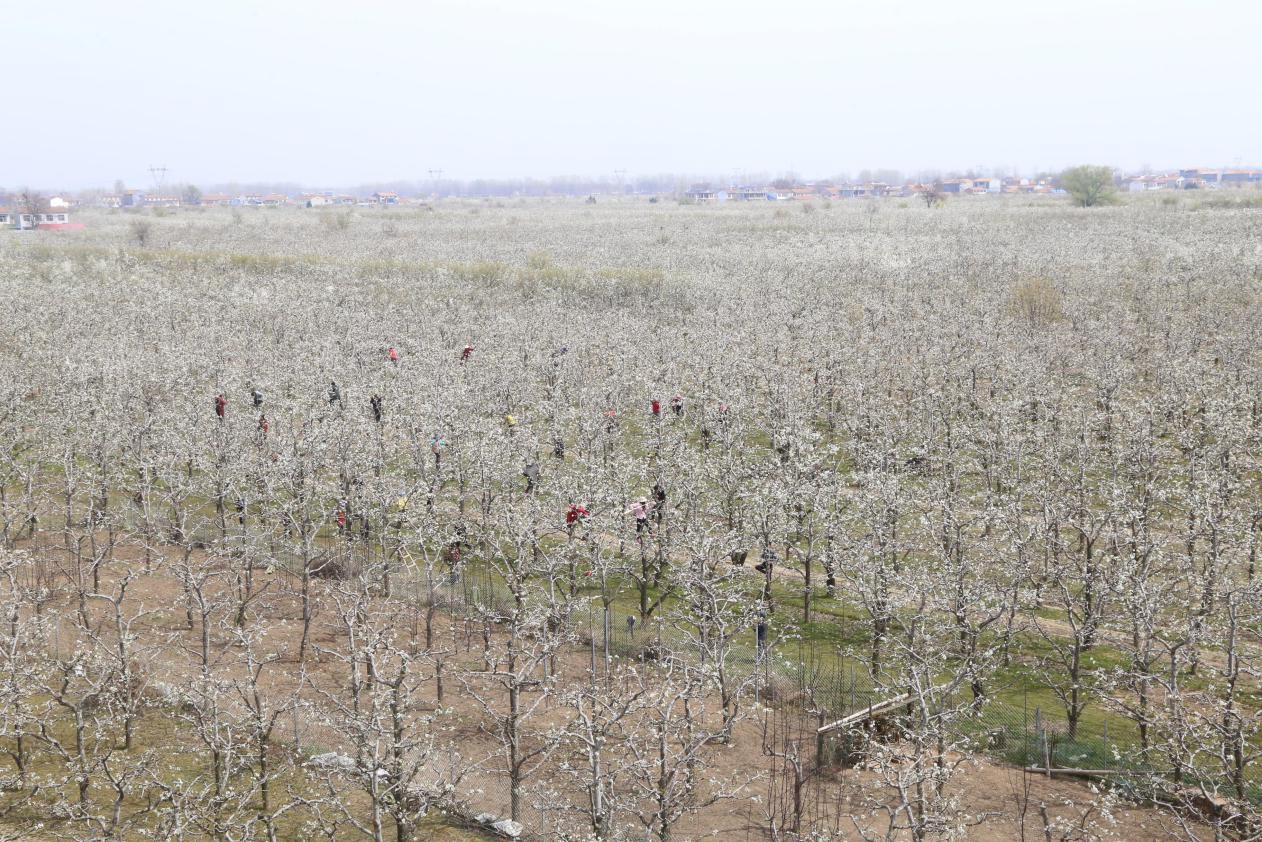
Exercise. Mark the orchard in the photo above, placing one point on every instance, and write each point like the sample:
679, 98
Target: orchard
586, 521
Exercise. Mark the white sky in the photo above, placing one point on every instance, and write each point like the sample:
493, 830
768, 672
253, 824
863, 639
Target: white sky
340, 93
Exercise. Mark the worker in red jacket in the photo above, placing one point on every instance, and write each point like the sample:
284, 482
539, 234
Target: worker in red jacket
221, 403
464, 355
657, 406
393, 354
577, 513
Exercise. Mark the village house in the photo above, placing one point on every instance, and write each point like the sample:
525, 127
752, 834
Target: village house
215, 200
162, 201
1198, 175
256, 200
860, 191
1140, 183
1238, 177
704, 194
1202, 177
48, 219
386, 198
1192, 178
749, 194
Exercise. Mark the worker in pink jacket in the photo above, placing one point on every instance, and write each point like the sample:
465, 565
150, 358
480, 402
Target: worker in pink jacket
640, 511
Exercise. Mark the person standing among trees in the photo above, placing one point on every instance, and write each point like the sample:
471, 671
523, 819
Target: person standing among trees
640, 511
577, 513
765, 568
659, 501
375, 402
393, 355
465, 354
531, 473
221, 404
257, 396
335, 394
342, 506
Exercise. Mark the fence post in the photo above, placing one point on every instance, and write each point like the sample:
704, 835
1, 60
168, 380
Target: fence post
606, 632
1025, 723
591, 633
1039, 740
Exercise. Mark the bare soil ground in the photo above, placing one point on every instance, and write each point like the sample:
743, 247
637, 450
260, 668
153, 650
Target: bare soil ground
1008, 799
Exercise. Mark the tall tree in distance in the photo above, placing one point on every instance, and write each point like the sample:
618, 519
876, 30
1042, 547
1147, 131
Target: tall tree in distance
1089, 185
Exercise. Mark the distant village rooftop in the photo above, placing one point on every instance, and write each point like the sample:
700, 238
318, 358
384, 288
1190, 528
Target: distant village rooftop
698, 193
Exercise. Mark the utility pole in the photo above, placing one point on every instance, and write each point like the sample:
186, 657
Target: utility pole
434, 176
159, 175
620, 173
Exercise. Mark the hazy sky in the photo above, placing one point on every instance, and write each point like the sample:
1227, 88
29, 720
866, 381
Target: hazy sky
340, 93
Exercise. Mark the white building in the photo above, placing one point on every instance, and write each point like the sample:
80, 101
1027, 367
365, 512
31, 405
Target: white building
50, 218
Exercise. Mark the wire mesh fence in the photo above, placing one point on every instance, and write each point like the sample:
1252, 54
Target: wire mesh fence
1005, 725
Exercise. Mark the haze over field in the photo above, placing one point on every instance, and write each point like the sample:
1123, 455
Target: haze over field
330, 94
